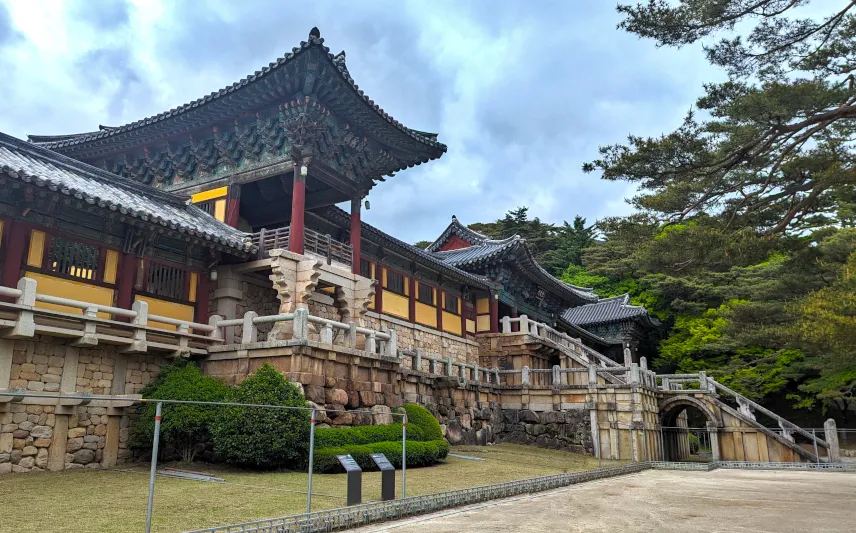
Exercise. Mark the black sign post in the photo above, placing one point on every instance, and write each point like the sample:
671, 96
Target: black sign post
355, 479
387, 476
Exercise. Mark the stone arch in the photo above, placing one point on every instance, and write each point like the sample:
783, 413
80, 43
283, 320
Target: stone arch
678, 438
668, 406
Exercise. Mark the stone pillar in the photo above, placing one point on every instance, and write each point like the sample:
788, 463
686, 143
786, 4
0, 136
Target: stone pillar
228, 293
595, 430
126, 278
298, 209
15, 247
628, 354
713, 434
356, 227
111, 444
830, 430
59, 442
6, 352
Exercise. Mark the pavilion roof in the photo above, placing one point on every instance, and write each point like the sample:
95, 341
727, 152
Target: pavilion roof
514, 249
307, 77
46, 169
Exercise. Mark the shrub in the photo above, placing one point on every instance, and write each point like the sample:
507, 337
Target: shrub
418, 454
422, 418
258, 437
182, 426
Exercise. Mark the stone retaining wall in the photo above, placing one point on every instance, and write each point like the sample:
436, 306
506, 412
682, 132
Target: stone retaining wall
560, 430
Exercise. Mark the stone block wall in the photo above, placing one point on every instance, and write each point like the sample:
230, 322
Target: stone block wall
559, 430
429, 341
258, 296
38, 435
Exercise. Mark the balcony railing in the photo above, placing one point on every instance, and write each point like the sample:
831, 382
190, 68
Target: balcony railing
313, 242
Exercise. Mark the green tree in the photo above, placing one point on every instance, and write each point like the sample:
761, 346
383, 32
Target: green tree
183, 427
422, 244
259, 437
770, 150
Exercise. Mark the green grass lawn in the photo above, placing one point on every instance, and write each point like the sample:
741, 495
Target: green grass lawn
115, 500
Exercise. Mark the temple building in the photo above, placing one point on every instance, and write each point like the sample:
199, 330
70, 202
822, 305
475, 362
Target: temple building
212, 231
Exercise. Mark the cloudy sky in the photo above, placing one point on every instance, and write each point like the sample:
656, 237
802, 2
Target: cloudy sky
521, 92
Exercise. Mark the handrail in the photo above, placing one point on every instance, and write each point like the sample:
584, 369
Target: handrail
754, 405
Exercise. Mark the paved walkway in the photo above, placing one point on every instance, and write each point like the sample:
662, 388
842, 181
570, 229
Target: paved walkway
663, 500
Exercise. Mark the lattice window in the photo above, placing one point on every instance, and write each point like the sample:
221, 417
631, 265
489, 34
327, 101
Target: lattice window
394, 282
426, 294
166, 281
73, 258
365, 268
208, 207
450, 303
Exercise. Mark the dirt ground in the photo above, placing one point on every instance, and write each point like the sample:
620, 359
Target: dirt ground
660, 500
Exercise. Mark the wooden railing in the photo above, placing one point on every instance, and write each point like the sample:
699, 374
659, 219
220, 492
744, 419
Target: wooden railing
313, 242
326, 247
271, 239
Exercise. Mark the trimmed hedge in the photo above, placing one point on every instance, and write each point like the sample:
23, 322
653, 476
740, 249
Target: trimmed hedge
338, 437
419, 417
418, 454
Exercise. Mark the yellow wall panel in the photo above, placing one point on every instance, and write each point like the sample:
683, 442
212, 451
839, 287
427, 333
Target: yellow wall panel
395, 304
483, 323
209, 195
426, 314
471, 326
37, 249
194, 282
167, 309
483, 306
73, 290
220, 210
111, 264
451, 323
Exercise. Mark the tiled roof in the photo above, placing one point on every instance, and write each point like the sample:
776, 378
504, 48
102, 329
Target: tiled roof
604, 311
491, 250
456, 228
231, 97
43, 168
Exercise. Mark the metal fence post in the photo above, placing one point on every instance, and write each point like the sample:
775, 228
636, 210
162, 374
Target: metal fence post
404, 456
311, 461
154, 467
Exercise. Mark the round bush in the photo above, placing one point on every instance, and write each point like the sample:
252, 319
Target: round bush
257, 437
423, 419
183, 427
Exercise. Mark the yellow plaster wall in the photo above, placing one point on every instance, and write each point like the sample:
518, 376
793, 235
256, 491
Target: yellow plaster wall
194, 282
36, 253
471, 326
451, 323
204, 196
395, 304
220, 210
482, 306
73, 290
167, 309
426, 315
483, 323
111, 263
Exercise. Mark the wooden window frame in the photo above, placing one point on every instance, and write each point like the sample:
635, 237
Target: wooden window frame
370, 265
457, 300
389, 273
419, 290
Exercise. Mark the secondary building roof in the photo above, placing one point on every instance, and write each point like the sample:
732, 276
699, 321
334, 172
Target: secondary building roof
605, 311
43, 168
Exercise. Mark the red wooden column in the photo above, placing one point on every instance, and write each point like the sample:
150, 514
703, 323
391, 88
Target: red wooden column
439, 303
462, 308
298, 209
494, 313
515, 326
14, 248
233, 205
378, 288
356, 227
412, 298
127, 272
202, 298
